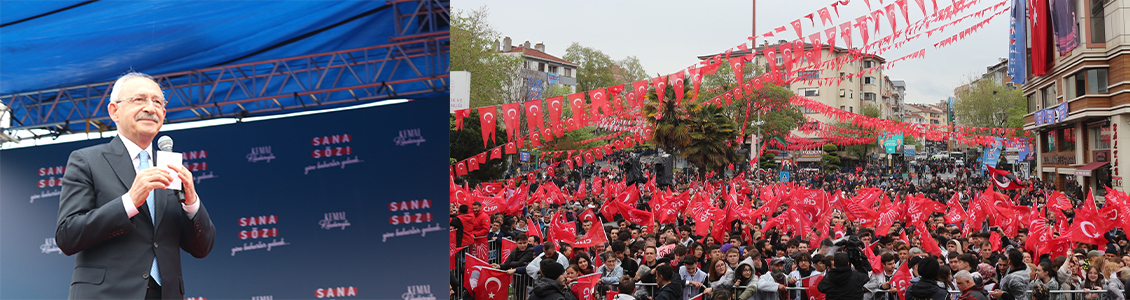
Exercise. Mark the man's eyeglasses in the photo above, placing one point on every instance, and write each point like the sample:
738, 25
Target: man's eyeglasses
142, 101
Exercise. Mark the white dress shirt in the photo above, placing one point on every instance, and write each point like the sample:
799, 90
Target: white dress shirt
135, 157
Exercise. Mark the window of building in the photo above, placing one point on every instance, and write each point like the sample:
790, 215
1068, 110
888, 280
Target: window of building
1067, 140
780, 60
526, 64
1098, 28
843, 93
843, 107
1096, 81
809, 75
869, 80
869, 96
850, 94
1049, 141
1032, 105
808, 92
1100, 137
851, 109
541, 67
553, 69
1090, 81
1048, 97
568, 72
868, 64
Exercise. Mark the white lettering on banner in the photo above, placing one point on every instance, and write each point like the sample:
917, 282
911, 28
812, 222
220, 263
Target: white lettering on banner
418, 292
259, 245
334, 220
408, 137
50, 246
265, 297
45, 194
336, 292
200, 178
258, 154
412, 231
332, 152
202, 298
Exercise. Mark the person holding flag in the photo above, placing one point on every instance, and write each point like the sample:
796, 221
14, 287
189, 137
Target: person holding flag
927, 286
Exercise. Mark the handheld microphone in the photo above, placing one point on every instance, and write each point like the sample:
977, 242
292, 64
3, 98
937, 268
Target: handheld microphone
165, 143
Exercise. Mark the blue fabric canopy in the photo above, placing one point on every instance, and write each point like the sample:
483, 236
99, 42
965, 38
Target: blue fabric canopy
51, 44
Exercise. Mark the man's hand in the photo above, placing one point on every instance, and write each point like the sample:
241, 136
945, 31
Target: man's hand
494, 266
792, 280
780, 287
996, 294
510, 272
188, 185
145, 181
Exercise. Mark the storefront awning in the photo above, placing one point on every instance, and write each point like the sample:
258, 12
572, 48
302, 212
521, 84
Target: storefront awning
1085, 170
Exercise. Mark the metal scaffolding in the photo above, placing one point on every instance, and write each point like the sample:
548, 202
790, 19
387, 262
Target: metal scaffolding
414, 62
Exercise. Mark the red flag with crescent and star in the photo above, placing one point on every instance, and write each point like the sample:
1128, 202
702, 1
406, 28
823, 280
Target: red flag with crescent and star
487, 116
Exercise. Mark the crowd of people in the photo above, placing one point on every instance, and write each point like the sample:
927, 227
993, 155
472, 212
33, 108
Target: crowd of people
670, 262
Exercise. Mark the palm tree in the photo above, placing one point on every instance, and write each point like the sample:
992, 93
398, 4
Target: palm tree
698, 133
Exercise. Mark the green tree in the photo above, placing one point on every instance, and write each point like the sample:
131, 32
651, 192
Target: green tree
472, 49
768, 161
830, 160
469, 141
769, 104
595, 69
989, 104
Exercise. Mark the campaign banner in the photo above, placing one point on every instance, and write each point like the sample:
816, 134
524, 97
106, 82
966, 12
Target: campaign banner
1017, 51
324, 205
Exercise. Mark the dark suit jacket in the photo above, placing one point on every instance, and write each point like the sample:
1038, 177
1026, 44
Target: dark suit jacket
115, 252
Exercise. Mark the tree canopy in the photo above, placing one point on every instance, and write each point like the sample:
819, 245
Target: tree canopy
989, 104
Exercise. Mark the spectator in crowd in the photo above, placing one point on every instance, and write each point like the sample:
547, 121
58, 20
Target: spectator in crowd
1044, 276
882, 281
584, 263
842, 281
719, 277
1015, 282
1094, 281
550, 254
927, 287
969, 286
610, 271
547, 286
745, 281
669, 287
693, 278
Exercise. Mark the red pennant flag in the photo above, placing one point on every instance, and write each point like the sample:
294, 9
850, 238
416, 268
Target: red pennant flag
459, 116
487, 116
512, 112
825, 17
660, 84
875, 260
956, 213
640, 91
532, 229
599, 99
845, 33
861, 23
508, 247
586, 286
534, 116
593, 237
555, 106
677, 84
810, 284
577, 104
901, 280
929, 244
797, 27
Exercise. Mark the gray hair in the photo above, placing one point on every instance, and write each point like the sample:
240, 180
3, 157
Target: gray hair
963, 274
915, 250
116, 91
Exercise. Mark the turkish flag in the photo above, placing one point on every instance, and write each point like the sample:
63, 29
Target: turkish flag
459, 116
631, 214
512, 113
677, 84
487, 116
507, 248
555, 106
875, 260
810, 284
660, 84
901, 280
472, 267
534, 115
1089, 225
639, 88
495, 284
517, 201
586, 286
1004, 179
599, 99
588, 215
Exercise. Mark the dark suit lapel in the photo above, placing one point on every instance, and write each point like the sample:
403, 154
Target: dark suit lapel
119, 160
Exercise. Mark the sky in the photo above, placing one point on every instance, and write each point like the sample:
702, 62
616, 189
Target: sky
668, 35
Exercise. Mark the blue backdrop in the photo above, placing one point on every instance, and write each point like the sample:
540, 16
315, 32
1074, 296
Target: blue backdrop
304, 207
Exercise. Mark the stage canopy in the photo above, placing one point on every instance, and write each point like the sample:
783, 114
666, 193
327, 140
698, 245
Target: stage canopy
220, 59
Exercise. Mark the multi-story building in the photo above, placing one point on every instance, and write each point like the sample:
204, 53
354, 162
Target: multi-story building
1080, 108
928, 113
540, 70
850, 94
